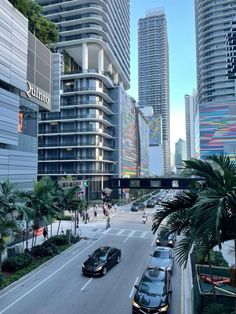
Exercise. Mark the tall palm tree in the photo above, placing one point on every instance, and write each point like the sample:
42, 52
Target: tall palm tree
205, 216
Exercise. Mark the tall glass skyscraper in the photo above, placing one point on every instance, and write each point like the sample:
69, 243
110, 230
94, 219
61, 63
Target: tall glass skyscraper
82, 139
215, 89
153, 71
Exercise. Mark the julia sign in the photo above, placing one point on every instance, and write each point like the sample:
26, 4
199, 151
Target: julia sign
34, 92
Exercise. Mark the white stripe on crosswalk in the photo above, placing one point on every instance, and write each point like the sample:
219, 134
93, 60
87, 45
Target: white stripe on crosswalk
128, 233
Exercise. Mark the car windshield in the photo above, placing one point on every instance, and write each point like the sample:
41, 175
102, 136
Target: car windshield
99, 254
161, 254
151, 287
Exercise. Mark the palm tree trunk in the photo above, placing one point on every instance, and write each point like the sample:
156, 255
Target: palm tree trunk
51, 229
59, 224
32, 239
27, 235
235, 253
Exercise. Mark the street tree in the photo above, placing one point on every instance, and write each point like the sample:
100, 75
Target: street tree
205, 216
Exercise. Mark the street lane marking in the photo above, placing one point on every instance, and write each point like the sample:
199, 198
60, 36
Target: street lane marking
120, 232
44, 280
126, 239
88, 282
132, 290
154, 240
144, 233
182, 291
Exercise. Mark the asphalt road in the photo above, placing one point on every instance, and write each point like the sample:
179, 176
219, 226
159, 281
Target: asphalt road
59, 287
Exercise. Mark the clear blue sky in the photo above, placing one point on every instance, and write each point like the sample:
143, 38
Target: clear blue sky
182, 60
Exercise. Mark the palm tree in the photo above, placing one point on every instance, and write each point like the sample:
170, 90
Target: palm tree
41, 202
205, 216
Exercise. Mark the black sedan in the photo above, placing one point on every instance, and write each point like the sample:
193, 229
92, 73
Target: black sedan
166, 240
153, 292
101, 260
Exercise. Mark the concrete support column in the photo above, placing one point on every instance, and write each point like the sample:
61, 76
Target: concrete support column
101, 60
116, 78
110, 68
84, 57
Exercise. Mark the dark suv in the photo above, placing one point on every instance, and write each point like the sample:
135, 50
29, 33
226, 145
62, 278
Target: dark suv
153, 292
137, 206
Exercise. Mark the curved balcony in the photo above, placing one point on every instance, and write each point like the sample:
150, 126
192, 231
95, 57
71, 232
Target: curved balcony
105, 133
71, 118
97, 105
88, 91
76, 158
74, 145
76, 172
105, 77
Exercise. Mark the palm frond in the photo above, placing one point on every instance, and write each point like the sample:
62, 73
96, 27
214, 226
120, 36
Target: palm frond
205, 169
183, 249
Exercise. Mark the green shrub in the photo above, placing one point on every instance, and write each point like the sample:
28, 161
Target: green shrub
14, 263
57, 240
37, 251
75, 238
217, 259
46, 249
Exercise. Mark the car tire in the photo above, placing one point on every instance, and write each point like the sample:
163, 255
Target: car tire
118, 259
104, 271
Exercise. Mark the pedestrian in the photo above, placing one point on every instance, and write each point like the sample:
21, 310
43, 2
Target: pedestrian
108, 225
86, 217
62, 231
95, 213
83, 215
45, 233
104, 209
115, 206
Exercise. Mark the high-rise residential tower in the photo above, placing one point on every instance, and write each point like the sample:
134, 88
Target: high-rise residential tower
190, 119
180, 154
215, 88
153, 72
82, 139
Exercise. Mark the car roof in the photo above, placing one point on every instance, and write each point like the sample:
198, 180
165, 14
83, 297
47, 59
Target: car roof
103, 248
154, 274
163, 248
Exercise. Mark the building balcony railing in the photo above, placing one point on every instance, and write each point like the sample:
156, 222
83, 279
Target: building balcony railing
65, 117
76, 158
86, 88
86, 103
76, 130
75, 144
75, 171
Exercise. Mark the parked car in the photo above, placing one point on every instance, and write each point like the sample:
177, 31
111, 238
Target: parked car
166, 240
101, 260
137, 206
162, 257
153, 292
151, 203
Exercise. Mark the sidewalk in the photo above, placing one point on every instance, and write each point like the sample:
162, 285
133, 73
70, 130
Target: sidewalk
86, 230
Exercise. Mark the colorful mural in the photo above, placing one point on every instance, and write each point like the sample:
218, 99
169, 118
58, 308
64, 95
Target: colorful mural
155, 130
128, 139
144, 145
217, 129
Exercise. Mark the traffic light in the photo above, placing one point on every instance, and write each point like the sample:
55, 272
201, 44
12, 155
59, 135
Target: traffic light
85, 184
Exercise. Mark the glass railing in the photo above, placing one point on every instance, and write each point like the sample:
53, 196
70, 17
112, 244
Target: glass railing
76, 144
96, 158
88, 116
76, 130
76, 171
98, 103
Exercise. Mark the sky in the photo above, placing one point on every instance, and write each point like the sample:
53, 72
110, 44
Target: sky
182, 56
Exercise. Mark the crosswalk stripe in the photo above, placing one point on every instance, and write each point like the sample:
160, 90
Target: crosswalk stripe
127, 233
